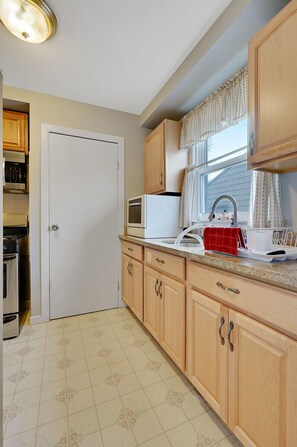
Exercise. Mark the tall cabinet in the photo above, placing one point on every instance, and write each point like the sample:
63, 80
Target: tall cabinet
273, 94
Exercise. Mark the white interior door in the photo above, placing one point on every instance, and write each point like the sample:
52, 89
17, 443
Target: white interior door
83, 175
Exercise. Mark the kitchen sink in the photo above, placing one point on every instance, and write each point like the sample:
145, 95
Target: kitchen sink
183, 243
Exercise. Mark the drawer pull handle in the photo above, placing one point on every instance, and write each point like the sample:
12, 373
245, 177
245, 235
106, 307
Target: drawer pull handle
130, 249
222, 322
231, 327
160, 292
130, 268
230, 289
157, 290
160, 260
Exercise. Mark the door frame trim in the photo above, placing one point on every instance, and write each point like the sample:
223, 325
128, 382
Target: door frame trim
46, 129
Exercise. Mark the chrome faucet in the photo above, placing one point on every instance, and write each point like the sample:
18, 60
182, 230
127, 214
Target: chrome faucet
218, 199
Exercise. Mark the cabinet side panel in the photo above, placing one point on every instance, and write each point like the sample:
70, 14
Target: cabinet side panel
176, 159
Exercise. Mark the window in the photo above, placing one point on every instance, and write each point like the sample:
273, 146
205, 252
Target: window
224, 171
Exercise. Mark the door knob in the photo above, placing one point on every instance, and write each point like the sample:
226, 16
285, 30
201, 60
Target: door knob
55, 227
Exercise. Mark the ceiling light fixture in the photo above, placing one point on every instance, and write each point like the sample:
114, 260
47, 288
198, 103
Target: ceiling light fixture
30, 20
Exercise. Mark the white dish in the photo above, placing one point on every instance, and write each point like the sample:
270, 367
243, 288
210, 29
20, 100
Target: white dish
262, 256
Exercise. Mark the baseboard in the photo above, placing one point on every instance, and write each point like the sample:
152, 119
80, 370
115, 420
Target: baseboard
38, 319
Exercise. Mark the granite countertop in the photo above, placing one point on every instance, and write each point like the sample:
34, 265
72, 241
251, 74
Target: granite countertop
277, 273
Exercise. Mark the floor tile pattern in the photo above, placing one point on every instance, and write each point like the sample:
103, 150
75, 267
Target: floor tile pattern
100, 380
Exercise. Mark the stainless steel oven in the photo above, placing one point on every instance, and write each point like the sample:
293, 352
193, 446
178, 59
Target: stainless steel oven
10, 295
16, 285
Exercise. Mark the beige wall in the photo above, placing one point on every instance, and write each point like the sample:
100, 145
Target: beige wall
61, 112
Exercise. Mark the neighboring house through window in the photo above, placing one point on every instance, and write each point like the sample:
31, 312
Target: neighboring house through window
223, 171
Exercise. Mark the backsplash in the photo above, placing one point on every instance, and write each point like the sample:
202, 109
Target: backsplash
16, 203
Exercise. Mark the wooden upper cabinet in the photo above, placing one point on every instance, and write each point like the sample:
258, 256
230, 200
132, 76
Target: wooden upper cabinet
273, 94
15, 131
164, 162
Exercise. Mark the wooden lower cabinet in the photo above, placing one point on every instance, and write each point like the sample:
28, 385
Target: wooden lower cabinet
262, 384
164, 313
132, 284
126, 280
151, 302
207, 352
248, 377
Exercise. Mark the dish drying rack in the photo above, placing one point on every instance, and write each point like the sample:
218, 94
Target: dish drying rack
282, 238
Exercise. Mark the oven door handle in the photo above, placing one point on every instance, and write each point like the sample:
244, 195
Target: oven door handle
9, 257
3, 172
9, 318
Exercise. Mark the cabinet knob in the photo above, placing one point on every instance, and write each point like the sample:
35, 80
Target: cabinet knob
252, 143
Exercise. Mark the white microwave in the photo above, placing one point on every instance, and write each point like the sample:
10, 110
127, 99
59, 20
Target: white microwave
153, 216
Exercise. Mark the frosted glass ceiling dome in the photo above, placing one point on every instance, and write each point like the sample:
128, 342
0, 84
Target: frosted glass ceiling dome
29, 20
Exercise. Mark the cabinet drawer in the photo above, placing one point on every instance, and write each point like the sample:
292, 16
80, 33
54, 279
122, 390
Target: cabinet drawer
133, 250
273, 306
173, 265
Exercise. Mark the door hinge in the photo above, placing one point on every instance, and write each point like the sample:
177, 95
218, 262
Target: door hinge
118, 165
118, 286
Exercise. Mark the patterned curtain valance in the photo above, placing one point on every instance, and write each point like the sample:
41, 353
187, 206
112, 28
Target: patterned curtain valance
225, 107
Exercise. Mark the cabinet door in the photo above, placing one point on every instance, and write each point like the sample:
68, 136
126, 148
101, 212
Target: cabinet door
137, 285
127, 289
207, 350
262, 384
151, 317
173, 319
273, 93
15, 131
155, 161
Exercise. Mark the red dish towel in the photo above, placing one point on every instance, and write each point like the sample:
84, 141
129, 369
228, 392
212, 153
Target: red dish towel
224, 240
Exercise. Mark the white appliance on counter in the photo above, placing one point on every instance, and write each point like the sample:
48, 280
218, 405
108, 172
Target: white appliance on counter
153, 216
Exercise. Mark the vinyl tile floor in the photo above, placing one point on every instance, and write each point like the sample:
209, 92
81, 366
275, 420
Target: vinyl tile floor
100, 380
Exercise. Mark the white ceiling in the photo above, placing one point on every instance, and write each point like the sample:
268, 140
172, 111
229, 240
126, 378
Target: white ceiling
113, 53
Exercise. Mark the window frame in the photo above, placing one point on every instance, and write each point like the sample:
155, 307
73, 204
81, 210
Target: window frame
202, 217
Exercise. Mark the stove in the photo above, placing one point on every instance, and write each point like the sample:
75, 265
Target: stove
16, 290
